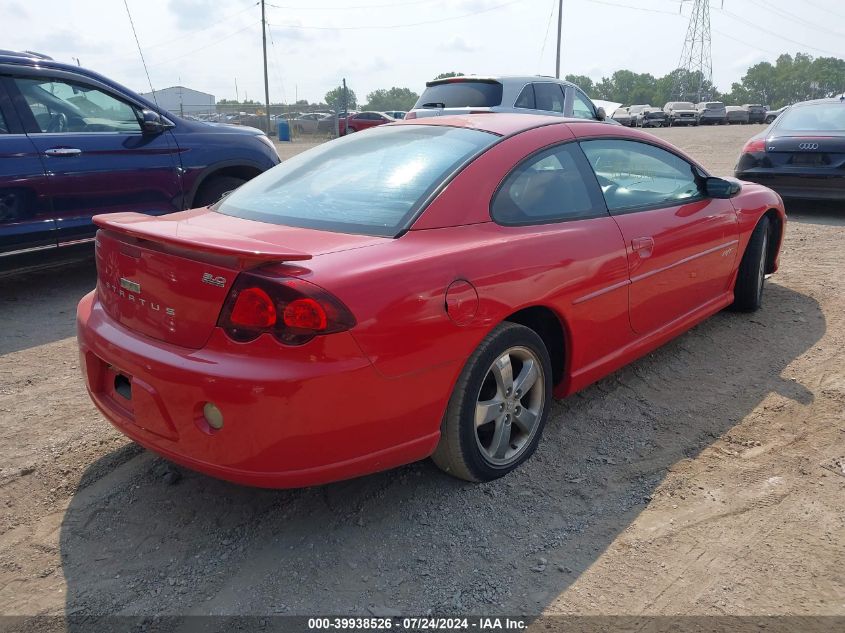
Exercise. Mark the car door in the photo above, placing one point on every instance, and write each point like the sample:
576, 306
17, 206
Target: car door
681, 245
97, 157
26, 218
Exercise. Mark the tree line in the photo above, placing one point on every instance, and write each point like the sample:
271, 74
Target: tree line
787, 81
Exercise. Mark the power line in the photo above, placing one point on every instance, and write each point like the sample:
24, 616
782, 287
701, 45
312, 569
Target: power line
140, 52
792, 17
813, 4
395, 26
392, 5
627, 6
765, 30
217, 41
218, 22
546, 36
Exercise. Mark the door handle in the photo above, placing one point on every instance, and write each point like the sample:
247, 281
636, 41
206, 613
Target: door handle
643, 246
62, 151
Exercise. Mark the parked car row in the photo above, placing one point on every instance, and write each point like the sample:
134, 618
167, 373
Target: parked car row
688, 113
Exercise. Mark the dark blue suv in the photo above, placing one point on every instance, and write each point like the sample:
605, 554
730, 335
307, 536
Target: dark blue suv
74, 144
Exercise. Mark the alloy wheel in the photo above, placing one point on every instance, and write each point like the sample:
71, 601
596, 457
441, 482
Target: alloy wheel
509, 405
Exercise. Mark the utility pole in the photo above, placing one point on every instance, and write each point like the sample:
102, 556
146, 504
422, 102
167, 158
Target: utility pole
266, 82
695, 68
559, 35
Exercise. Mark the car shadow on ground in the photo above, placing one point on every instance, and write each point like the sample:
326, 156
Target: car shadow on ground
816, 212
40, 307
413, 539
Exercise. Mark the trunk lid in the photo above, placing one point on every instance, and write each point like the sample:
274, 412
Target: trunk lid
167, 277
825, 152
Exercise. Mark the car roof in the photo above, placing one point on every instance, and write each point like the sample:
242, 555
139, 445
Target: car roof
819, 102
499, 78
503, 123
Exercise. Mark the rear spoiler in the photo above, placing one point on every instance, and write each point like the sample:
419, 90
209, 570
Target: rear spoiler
178, 230
461, 79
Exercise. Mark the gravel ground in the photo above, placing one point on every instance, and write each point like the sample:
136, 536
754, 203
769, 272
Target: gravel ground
706, 478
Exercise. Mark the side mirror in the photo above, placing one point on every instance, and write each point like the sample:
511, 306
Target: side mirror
601, 115
722, 187
152, 123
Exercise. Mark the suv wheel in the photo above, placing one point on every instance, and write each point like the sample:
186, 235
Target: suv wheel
215, 188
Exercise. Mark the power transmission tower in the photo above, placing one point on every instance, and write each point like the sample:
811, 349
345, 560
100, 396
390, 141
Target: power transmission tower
696, 66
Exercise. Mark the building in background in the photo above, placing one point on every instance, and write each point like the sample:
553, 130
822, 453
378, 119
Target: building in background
181, 100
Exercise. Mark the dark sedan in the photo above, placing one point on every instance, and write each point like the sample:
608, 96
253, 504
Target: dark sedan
801, 154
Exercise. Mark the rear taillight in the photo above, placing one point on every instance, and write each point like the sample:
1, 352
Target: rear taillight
292, 310
411, 115
754, 145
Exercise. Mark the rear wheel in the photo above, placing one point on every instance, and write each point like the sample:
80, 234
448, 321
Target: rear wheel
215, 188
499, 407
751, 277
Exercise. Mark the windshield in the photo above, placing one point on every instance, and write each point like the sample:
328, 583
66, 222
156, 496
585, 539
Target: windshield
714, 105
684, 105
370, 183
826, 117
461, 94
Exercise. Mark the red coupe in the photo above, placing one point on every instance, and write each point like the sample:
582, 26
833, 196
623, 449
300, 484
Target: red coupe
323, 322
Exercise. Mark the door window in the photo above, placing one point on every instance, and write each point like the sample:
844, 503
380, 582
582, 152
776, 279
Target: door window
4, 129
548, 187
635, 175
582, 107
549, 97
60, 106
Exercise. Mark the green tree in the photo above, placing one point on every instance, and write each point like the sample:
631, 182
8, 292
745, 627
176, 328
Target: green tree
393, 99
449, 74
583, 82
334, 98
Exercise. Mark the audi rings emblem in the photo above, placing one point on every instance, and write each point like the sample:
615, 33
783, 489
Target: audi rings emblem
808, 146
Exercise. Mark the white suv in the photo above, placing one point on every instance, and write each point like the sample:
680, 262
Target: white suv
531, 95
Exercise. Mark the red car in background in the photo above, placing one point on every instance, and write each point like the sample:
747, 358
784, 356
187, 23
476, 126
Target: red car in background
363, 120
321, 323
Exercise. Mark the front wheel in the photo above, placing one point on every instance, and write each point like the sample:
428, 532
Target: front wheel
751, 277
499, 407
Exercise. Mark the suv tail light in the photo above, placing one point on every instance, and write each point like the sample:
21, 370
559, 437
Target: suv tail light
293, 310
411, 115
755, 145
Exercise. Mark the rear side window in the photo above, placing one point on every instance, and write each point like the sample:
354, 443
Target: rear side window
548, 96
525, 98
551, 186
370, 183
462, 94
4, 129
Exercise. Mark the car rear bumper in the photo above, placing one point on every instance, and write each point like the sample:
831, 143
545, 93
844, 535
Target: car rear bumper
293, 416
807, 186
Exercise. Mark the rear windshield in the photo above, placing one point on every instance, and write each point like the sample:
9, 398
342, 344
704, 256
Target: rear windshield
462, 94
369, 183
827, 117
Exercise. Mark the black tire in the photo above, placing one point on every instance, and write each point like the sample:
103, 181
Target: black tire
215, 188
460, 452
751, 277
350, 130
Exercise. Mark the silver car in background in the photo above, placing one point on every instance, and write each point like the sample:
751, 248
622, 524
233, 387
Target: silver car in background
711, 113
681, 113
736, 114
527, 94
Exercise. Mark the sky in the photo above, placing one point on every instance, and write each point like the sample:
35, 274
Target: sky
212, 45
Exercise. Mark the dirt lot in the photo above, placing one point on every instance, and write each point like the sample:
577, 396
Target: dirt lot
707, 478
